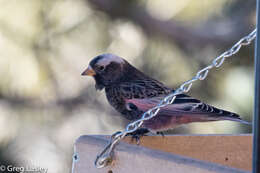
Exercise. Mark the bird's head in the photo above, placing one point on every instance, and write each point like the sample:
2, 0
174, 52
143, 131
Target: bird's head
106, 69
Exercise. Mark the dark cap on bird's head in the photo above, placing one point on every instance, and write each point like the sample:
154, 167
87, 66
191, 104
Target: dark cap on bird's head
105, 69
101, 62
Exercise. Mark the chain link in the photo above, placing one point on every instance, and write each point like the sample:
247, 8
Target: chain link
106, 156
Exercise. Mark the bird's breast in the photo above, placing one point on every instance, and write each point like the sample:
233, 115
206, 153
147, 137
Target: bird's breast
114, 98
117, 101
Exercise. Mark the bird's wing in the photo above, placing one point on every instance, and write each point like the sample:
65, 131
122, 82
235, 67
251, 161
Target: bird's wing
145, 88
184, 106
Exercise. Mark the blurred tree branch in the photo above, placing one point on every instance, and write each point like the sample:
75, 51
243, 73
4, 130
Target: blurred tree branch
183, 35
68, 104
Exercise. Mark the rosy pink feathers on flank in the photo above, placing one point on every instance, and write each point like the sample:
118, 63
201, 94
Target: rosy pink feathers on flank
173, 115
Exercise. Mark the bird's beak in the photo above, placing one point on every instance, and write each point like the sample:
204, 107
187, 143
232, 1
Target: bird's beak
88, 72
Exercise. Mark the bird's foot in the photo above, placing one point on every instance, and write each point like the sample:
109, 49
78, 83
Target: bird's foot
136, 135
160, 133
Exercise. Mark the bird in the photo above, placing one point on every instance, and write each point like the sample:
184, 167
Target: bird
131, 92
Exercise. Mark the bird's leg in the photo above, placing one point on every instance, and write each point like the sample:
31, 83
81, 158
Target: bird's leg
136, 135
160, 133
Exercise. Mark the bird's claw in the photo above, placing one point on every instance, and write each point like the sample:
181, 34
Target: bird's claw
160, 133
136, 135
136, 138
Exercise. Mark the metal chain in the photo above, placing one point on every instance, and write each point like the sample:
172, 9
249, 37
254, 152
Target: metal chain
105, 157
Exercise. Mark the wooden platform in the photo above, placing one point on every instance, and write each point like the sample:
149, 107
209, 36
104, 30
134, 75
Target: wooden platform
199, 153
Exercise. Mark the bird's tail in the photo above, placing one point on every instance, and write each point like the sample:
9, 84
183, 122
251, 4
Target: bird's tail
235, 118
226, 115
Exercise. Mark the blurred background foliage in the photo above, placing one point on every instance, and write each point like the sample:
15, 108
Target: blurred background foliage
45, 105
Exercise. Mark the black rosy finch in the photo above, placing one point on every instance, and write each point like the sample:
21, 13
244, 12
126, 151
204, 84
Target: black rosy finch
132, 93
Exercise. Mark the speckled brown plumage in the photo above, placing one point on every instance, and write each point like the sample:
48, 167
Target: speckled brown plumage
133, 89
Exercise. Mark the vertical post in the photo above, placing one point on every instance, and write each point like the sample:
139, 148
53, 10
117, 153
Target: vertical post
256, 123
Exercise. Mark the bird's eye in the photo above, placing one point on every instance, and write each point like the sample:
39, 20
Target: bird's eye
101, 68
